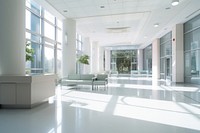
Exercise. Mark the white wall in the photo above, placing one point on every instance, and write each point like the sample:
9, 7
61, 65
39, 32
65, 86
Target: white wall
12, 38
69, 47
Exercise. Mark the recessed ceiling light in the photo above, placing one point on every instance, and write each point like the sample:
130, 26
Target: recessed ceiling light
156, 25
65, 11
175, 2
102, 6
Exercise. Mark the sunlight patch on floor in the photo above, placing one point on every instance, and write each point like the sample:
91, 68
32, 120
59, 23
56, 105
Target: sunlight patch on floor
92, 101
164, 112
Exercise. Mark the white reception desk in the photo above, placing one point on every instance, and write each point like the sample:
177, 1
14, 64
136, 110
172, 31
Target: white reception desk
26, 91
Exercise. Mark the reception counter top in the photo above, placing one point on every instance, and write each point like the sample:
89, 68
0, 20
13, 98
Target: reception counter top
25, 91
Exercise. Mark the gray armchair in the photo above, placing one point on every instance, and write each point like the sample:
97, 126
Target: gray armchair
100, 79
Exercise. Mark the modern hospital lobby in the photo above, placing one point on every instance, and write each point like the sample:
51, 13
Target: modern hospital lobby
100, 66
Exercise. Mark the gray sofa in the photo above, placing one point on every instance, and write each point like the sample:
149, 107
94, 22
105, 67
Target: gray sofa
85, 79
78, 79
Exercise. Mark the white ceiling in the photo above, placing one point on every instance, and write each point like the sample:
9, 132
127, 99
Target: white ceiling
125, 22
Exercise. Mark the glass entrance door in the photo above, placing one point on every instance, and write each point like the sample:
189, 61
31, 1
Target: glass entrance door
168, 68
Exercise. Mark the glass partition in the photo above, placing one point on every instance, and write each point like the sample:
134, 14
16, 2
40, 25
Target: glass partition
192, 50
166, 56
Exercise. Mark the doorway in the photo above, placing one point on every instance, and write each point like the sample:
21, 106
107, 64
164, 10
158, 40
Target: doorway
168, 69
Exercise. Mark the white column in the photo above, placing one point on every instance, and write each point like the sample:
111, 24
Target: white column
177, 54
140, 59
87, 50
156, 59
100, 58
94, 58
69, 47
107, 60
12, 38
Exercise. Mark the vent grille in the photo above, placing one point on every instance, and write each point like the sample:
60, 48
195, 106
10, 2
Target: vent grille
118, 29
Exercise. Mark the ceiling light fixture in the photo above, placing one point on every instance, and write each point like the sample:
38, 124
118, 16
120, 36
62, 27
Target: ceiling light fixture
156, 25
175, 2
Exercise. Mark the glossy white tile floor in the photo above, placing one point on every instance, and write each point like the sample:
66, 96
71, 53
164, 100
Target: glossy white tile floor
127, 106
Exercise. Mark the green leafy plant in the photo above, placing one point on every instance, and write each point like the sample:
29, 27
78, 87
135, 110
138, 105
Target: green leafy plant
29, 52
84, 59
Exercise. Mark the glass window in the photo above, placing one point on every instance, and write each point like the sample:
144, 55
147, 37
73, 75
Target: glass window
166, 38
192, 40
35, 23
36, 64
162, 50
147, 58
192, 50
59, 35
44, 57
32, 22
59, 23
187, 64
59, 59
49, 30
48, 44
33, 6
192, 24
49, 16
59, 46
32, 37
48, 60
168, 48
28, 20
165, 55
162, 67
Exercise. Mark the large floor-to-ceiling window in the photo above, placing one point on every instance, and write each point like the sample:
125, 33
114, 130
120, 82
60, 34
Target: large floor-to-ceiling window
192, 50
44, 32
123, 61
166, 56
147, 59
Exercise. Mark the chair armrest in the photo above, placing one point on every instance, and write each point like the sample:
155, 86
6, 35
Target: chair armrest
94, 78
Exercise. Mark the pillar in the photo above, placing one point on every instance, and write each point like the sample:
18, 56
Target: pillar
140, 59
156, 59
87, 50
107, 59
69, 47
100, 59
177, 54
12, 44
94, 57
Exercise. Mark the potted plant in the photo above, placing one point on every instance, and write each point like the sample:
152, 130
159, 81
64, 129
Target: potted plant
29, 55
84, 59
29, 52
